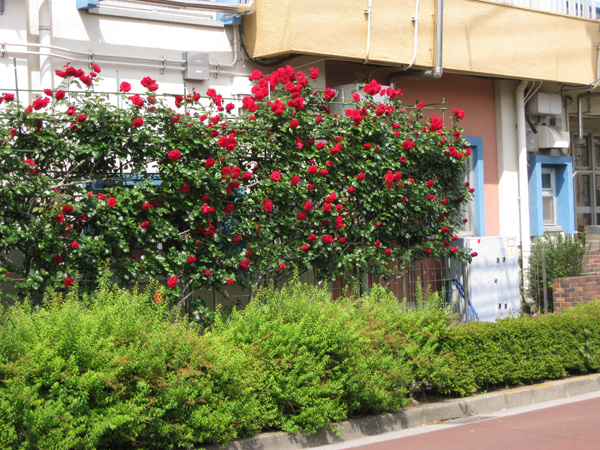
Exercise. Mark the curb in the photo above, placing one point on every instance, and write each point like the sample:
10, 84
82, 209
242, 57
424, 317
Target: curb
421, 415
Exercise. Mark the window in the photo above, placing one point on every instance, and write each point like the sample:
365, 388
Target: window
474, 210
549, 197
551, 205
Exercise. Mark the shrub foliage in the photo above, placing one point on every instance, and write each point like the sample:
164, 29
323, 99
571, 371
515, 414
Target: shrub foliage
112, 370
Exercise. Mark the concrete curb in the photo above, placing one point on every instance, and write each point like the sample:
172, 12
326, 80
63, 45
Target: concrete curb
420, 415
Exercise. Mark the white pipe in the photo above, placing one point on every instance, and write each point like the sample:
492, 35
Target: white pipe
45, 33
368, 13
90, 54
97, 60
415, 19
236, 34
437, 72
228, 8
523, 175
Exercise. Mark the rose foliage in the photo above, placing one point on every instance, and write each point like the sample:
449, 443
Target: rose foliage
198, 195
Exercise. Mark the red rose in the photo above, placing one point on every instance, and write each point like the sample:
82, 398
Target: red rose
428, 251
67, 209
60, 218
207, 272
294, 123
71, 110
310, 187
149, 83
158, 297
327, 207
474, 254
302, 216
458, 113
267, 205
445, 230
453, 249
281, 266
377, 224
81, 118
351, 190
342, 240
9, 97
377, 243
146, 206
236, 239
295, 180
387, 252
191, 259
431, 197
100, 196
328, 94
472, 190
69, 282
327, 239
323, 172
275, 176
307, 206
57, 259
172, 282
145, 224
361, 176
435, 123
228, 281
305, 247
112, 202
312, 237
60, 94
313, 169
209, 163
408, 144
75, 244
314, 73
125, 86
137, 122
174, 155
420, 105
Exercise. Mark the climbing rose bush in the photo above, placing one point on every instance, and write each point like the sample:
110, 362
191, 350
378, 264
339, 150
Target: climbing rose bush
185, 189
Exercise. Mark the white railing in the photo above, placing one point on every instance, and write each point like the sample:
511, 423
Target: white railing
580, 8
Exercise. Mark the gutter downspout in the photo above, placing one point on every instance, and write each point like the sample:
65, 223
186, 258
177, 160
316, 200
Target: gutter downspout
524, 228
437, 71
228, 8
368, 12
45, 32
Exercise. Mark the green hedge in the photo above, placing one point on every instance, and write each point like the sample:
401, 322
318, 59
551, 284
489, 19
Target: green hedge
114, 371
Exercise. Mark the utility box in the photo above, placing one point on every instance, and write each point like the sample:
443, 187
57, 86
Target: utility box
543, 104
491, 281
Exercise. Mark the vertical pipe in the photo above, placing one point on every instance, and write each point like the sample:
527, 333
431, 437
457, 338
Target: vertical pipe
45, 30
544, 287
524, 229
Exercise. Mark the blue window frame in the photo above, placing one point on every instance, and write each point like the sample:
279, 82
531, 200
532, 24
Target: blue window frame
476, 146
562, 169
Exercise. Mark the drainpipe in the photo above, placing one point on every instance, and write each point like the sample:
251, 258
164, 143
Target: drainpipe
368, 12
437, 71
45, 31
523, 175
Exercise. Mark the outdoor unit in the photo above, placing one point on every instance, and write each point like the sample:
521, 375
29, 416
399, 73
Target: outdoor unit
491, 281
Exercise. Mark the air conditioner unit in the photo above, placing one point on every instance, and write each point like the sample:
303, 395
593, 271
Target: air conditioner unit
547, 137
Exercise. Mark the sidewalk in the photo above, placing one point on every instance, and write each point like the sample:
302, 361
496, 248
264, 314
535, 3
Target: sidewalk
424, 414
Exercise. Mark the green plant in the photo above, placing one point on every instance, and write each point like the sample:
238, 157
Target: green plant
180, 188
563, 257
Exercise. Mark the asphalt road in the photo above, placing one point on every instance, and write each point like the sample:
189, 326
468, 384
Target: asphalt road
568, 426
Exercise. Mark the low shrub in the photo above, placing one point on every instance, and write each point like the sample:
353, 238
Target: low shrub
114, 370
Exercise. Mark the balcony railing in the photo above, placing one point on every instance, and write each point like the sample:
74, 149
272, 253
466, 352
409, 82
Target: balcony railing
579, 8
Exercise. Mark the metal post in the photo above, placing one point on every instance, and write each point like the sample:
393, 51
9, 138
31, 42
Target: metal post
544, 282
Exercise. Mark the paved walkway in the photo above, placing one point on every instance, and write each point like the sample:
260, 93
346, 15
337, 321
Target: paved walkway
383, 429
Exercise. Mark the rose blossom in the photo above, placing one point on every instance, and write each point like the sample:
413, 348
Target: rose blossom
75, 244
174, 155
228, 281
267, 205
69, 282
172, 282
137, 122
281, 266
275, 176
145, 224
191, 259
